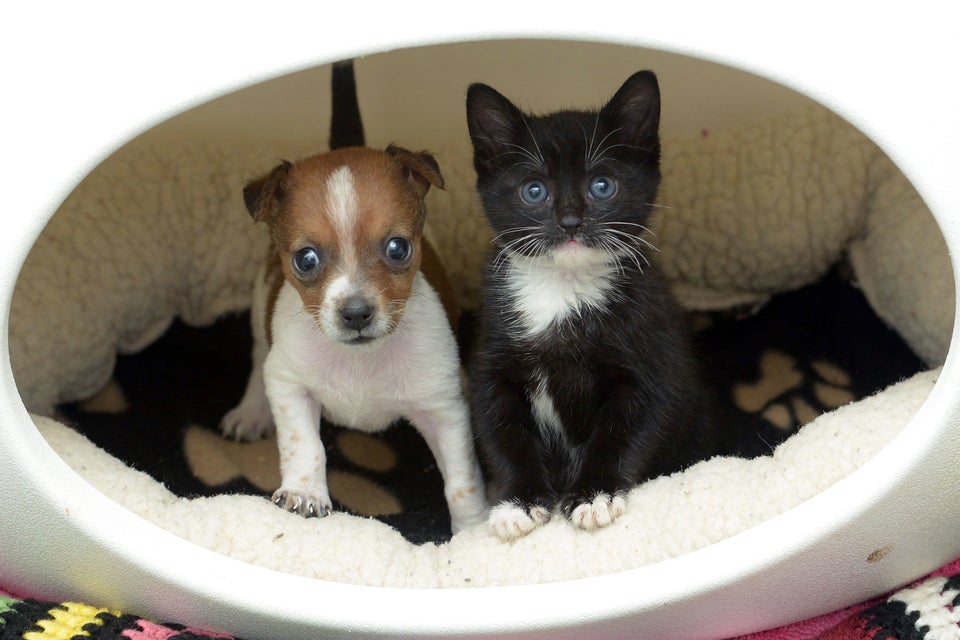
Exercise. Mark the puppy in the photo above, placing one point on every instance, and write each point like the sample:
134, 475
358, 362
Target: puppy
347, 327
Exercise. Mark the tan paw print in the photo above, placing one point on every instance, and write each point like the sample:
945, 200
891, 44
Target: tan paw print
215, 460
787, 396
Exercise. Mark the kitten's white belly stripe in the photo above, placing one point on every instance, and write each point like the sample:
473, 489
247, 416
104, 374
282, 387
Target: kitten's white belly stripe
545, 291
544, 411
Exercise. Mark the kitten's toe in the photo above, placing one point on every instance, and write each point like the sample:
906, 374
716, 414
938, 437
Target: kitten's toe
510, 520
599, 512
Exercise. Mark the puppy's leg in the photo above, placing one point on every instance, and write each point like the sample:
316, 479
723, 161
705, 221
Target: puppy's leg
446, 430
303, 461
251, 419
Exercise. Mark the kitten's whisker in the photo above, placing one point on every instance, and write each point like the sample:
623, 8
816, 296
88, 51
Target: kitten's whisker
627, 248
517, 149
587, 141
633, 237
514, 246
660, 206
625, 223
533, 138
497, 237
593, 138
600, 151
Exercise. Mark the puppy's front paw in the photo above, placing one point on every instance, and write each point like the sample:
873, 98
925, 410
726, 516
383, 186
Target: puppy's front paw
510, 520
304, 504
248, 422
597, 513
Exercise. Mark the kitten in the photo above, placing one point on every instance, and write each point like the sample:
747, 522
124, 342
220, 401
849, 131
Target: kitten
583, 383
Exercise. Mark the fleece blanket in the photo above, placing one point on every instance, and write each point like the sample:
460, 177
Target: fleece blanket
157, 234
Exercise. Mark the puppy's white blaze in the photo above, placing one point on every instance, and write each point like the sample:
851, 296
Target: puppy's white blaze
549, 289
337, 290
344, 210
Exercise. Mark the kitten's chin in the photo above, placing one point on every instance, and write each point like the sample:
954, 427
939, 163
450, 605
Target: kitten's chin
573, 253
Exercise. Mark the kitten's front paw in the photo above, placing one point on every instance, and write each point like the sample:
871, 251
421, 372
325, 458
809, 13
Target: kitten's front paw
304, 504
510, 520
248, 421
597, 513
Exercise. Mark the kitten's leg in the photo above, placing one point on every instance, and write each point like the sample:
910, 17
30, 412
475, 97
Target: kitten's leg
506, 435
609, 462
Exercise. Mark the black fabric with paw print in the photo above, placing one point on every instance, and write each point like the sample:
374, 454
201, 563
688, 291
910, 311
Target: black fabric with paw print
803, 353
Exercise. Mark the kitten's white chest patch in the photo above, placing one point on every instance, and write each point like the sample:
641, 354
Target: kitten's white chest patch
547, 290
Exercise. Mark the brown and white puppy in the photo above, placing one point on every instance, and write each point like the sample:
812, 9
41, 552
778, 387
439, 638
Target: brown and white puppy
347, 327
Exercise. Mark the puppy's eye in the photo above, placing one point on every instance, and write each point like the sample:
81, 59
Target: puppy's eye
603, 188
306, 262
398, 250
534, 192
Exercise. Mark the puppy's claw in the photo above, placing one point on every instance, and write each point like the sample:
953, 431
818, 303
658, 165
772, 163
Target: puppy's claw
302, 504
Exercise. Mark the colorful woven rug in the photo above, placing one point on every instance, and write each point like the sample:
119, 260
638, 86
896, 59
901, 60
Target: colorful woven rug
38, 620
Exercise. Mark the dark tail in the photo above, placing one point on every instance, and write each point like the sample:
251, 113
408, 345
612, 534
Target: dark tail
346, 127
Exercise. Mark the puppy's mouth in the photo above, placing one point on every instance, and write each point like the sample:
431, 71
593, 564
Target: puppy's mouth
354, 321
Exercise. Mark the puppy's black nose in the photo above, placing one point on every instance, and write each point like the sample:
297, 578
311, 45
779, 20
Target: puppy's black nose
356, 313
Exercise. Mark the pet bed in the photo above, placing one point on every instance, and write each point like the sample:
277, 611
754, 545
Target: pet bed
157, 233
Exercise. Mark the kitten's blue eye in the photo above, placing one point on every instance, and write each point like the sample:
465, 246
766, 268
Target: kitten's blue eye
398, 250
603, 188
534, 192
307, 262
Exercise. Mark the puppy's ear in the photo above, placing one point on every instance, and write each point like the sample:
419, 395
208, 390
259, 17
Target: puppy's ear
420, 169
263, 194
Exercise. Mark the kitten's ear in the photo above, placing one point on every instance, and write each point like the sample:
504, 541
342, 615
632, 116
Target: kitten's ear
420, 169
262, 195
634, 112
494, 123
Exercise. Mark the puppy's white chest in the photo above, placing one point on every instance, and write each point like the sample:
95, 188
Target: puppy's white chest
367, 395
546, 292
365, 387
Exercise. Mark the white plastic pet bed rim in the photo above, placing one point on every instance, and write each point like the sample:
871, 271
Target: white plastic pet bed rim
69, 541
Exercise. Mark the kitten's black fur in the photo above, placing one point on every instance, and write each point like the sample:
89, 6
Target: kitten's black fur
619, 372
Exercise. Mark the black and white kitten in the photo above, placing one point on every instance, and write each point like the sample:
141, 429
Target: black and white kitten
582, 383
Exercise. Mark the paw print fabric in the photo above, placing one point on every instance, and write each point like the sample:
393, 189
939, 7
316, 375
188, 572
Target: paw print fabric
771, 371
